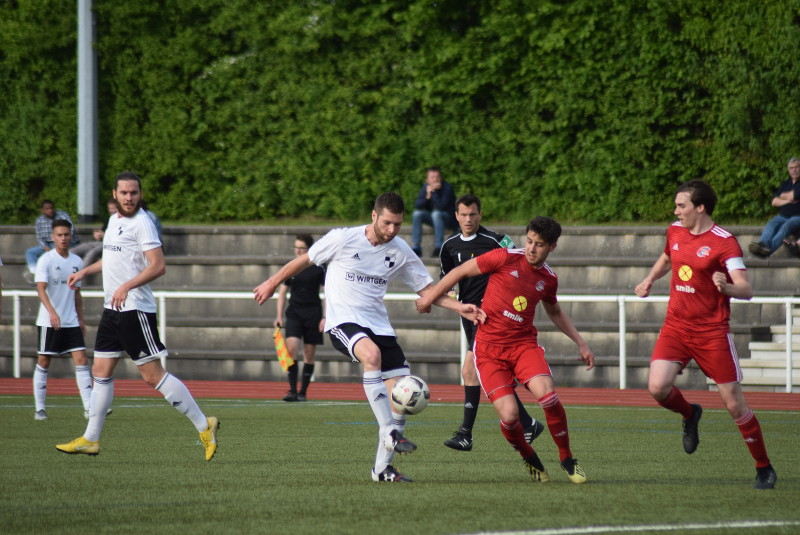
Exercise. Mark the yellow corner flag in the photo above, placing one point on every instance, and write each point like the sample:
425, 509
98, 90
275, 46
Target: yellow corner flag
284, 358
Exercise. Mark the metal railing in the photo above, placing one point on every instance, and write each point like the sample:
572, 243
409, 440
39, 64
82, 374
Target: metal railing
621, 300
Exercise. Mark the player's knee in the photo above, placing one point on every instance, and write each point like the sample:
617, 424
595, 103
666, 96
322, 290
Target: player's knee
658, 390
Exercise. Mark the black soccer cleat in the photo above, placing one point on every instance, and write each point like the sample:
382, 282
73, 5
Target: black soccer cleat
765, 478
397, 442
290, 396
390, 475
533, 431
690, 436
461, 441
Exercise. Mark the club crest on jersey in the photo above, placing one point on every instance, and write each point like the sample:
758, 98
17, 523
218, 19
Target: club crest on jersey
539, 286
704, 251
389, 260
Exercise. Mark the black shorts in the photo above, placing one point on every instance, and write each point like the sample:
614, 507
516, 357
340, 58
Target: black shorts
58, 342
132, 331
393, 360
469, 331
303, 323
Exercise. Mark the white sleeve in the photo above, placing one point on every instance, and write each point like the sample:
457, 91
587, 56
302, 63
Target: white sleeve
325, 248
41, 269
735, 263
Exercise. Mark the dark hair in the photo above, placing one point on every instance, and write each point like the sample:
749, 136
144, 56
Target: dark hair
62, 223
468, 200
47, 201
700, 193
547, 228
435, 169
305, 238
127, 175
390, 201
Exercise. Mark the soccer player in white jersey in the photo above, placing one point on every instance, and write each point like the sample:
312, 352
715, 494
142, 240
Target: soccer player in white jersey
361, 261
60, 319
132, 259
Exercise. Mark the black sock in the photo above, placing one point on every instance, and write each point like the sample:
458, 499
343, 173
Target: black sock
308, 371
525, 419
472, 398
292, 378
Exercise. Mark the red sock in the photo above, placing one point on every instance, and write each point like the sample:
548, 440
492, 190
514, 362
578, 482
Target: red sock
677, 403
516, 437
751, 433
557, 423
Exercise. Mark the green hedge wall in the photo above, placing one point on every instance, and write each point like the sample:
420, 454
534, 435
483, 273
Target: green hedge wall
233, 110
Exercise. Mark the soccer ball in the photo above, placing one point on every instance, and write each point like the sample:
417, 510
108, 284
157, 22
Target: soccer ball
410, 395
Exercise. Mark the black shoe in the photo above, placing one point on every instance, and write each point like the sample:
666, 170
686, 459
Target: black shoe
759, 249
461, 441
290, 396
397, 442
690, 437
417, 251
791, 244
390, 475
301, 397
765, 478
533, 431
436, 251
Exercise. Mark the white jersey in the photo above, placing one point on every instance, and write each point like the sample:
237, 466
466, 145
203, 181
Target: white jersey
125, 241
358, 275
53, 269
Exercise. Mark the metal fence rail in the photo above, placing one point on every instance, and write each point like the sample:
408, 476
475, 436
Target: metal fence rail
621, 300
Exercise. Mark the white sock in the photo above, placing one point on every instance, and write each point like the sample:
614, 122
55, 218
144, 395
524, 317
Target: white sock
383, 457
179, 397
84, 379
378, 398
101, 398
39, 387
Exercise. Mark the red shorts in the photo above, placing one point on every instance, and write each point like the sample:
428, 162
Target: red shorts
499, 365
715, 353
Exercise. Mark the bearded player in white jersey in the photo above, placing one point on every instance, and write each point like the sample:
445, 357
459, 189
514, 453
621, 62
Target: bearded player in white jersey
132, 259
361, 261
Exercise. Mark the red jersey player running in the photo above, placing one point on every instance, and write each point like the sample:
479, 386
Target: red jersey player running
506, 345
707, 270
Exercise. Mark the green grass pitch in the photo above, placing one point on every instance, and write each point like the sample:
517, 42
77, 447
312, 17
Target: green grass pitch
305, 469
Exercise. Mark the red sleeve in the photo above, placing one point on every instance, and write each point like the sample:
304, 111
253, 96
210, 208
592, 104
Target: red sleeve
492, 260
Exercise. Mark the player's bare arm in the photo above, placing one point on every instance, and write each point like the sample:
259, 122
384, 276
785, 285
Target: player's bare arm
74, 278
565, 325
55, 319
659, 269
467, 269
467, 311
156, 268
280, 306
264, 291
740, 288
79, 310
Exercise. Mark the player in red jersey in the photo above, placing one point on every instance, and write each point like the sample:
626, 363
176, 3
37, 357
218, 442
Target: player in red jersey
707, 270
506, 345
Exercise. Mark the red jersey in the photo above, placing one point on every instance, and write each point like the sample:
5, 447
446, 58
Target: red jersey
695, 304
514, 289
